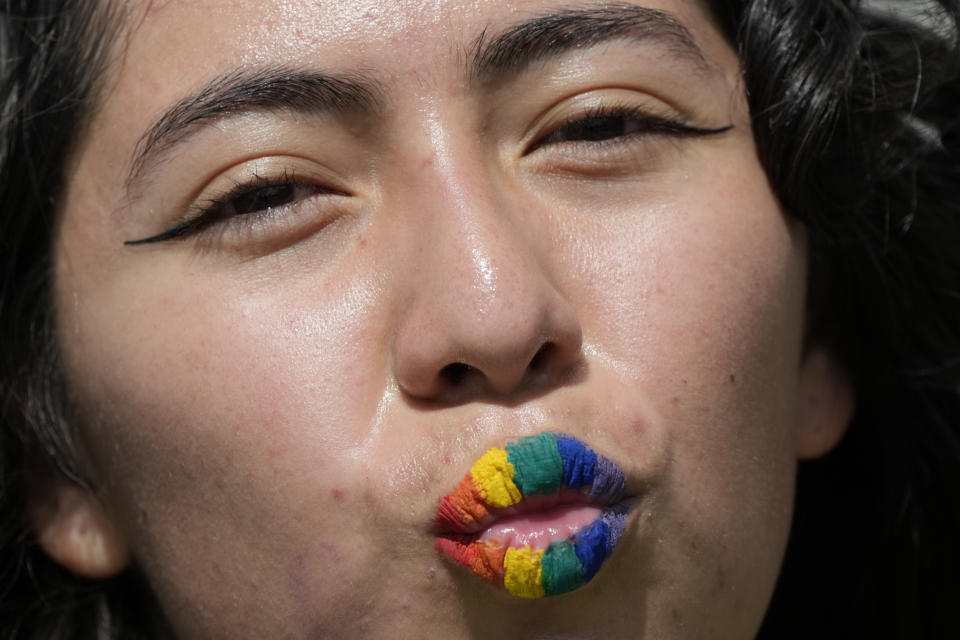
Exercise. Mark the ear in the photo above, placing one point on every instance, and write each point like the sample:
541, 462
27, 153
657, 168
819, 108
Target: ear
73, 528
827, 400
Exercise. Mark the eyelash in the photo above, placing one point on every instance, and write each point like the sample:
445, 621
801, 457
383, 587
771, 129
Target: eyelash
585, 129
286, 187
643, 122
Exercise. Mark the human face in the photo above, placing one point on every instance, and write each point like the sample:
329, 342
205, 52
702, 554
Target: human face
462, 250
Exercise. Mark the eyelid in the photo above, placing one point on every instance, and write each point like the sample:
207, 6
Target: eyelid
651, 125
202, 211
612, 101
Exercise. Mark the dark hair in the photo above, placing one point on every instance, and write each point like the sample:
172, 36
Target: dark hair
856, 117
53, 54
855, 120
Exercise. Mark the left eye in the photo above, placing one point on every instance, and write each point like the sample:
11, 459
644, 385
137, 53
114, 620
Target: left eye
616, 124
595, 129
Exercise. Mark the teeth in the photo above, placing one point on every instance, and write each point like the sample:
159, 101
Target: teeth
499, 481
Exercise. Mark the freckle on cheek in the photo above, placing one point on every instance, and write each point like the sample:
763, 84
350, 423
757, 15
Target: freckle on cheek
337, 494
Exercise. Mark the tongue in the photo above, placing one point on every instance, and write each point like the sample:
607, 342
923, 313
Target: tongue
537, 530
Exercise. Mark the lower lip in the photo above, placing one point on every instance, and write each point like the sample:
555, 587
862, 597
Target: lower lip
544, 553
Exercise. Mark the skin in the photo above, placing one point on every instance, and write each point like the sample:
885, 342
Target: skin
266, 417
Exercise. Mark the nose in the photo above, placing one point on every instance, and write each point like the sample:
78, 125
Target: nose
484, 317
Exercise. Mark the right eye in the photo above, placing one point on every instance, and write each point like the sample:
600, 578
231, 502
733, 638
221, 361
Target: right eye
260, 198
245, 201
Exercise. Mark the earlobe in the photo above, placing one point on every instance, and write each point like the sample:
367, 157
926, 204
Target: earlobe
827, 402
73, 528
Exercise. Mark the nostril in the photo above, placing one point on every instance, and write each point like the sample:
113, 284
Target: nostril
455, 372
541, 357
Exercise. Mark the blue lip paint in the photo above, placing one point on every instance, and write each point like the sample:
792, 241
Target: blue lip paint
590, 545
579, 462
609, 482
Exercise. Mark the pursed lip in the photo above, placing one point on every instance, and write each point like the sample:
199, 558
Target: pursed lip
548, 472
529, 474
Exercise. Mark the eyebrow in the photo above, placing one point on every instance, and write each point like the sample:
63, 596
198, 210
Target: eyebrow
556, 33
244, 91
277, 89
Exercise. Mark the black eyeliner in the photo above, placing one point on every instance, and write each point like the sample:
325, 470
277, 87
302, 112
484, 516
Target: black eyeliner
182, 229
209, 213
652, 124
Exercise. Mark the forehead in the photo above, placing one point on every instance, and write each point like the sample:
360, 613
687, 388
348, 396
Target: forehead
176, 49
178, 43
406, 28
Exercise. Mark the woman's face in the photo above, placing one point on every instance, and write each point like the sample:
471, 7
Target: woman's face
384, 237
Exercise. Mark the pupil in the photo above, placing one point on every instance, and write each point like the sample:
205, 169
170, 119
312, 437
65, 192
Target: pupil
263, 198
599, 128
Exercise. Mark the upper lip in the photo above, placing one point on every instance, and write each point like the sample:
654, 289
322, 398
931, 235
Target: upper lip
586, 477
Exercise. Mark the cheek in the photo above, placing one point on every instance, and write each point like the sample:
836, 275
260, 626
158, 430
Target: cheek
192, 356
215, 408
700, 307
699, 294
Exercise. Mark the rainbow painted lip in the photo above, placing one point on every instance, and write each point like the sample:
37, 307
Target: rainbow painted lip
528, 475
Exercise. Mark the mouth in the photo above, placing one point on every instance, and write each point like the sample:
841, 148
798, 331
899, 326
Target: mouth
537, 518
